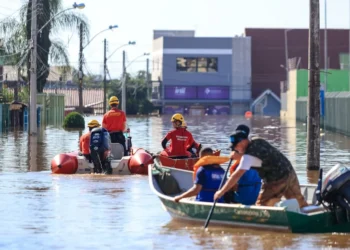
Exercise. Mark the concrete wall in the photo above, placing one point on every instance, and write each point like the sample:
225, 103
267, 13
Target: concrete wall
241, 68
290, 97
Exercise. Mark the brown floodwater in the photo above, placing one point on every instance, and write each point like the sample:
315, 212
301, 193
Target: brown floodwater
43, 211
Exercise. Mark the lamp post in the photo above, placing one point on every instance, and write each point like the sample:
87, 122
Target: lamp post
33, 126
105, 71
124, 78
81, 74
286, 67
129, 43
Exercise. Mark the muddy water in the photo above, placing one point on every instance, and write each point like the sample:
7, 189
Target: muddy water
44, 211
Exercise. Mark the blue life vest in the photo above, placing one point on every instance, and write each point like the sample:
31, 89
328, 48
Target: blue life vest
213, 178
249, 187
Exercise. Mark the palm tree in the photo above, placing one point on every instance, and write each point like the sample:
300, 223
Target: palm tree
16, 32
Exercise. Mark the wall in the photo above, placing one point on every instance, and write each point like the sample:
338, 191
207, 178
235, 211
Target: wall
241, 68
337, 80
175, 47
290, 96
334, 119
268, 53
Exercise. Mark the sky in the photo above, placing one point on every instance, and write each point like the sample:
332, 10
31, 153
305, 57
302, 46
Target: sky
138, 18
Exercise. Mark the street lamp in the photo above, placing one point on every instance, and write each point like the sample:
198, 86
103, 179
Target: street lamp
144, 54
105, 72
80, 90
33, 127
124, 81
129, 43
75, 6
110, 27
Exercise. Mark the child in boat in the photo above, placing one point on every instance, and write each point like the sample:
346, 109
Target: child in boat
207, 181
180, 138
247, 189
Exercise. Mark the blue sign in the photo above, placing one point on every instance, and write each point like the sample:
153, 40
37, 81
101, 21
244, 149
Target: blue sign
322, 102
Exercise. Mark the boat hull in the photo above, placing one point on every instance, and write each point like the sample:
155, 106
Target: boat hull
185, 164
272, 218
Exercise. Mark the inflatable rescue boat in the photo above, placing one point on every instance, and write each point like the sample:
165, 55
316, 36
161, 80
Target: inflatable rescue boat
73, 163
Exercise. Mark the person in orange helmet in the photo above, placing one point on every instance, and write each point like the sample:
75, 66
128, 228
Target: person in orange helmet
115, 123
180, 139
84, 142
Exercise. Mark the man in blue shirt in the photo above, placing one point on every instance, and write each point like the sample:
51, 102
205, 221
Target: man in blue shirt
207, 181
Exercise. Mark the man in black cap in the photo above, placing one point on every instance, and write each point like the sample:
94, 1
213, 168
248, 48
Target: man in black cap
276, 171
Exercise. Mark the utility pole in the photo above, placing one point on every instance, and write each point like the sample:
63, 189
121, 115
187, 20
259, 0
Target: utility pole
80, 88
33, 127
124, 84
286, 55
104, 76
325, 64
147, 78
15, 97
313, 122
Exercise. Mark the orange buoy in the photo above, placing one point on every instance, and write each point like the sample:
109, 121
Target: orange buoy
248, 114
64, 163
139, 161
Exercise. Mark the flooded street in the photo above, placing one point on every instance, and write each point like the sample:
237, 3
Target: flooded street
44, 211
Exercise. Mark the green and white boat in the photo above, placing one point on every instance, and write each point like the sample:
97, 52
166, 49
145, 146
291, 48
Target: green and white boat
169, 182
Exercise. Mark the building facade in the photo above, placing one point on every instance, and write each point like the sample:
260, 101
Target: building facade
271, 46
201, 75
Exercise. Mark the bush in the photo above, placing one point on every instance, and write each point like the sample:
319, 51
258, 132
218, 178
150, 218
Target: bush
74, 120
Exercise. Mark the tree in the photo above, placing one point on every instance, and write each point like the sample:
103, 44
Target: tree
136, 94
17, 32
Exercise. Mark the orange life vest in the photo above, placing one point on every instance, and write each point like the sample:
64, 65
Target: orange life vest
208, 160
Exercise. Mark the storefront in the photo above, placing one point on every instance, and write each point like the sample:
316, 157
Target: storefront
197, 100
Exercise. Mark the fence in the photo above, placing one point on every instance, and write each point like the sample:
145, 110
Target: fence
337, 111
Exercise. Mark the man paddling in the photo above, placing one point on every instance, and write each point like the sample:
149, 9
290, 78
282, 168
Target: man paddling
276, 171
207, 181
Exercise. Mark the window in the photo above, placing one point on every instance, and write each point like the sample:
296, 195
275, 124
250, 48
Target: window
202, 64
197, 64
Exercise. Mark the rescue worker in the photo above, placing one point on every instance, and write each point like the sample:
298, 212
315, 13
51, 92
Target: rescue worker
84, 144
276, 171
207, 181
180, 139
115, 123
195, 145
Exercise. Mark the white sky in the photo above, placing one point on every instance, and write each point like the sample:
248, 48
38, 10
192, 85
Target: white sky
138, 18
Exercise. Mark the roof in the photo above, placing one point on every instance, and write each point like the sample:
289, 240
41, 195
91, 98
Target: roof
260, 97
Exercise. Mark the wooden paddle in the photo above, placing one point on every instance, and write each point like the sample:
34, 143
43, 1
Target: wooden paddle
221, 184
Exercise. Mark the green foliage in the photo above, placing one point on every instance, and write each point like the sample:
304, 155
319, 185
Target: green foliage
74, 120
136, 94
23, 95
7, 95
16, 32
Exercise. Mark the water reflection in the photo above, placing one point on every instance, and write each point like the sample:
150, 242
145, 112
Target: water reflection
101, 212
193, 234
